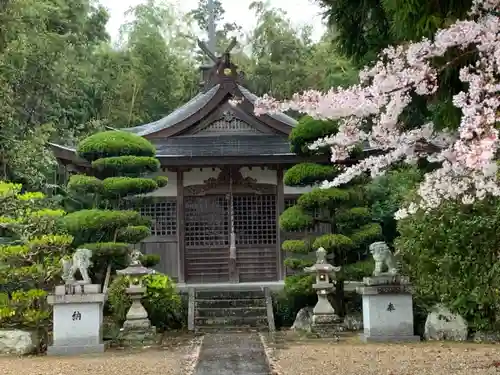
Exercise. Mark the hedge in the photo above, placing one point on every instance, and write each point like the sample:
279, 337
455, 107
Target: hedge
133, 234
122, 186
309, 130
128, 165
82, 184
309, 174
114, 143
293, 218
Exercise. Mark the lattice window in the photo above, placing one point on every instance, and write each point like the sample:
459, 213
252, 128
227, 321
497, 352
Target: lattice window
229, 124
206, 221
255, 219
163, 216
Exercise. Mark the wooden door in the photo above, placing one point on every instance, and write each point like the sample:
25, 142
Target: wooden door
255, 228
207, 238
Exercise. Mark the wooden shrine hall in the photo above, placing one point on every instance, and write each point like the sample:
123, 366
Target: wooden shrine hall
217, 219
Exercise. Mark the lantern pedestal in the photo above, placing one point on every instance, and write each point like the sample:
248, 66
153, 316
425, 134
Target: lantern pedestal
137, 329
325, 323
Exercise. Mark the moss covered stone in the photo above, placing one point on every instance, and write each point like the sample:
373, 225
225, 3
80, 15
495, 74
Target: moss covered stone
114, 143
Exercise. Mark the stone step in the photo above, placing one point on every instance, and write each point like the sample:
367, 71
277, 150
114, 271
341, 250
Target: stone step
210, 295
229, 329
238, 321
229, 303
232, 311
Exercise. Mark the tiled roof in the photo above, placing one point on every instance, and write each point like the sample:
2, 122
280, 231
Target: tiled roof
180, 114
223, 145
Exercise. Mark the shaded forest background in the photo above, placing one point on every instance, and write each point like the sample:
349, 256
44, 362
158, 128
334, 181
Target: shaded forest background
62, 78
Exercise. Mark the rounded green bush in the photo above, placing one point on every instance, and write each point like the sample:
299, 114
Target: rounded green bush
89, 225
114, 143
305, 174
126, 165
331, 242
133, 234
161, 301
293, 218
309, 130
367, 233
122, 186
82, 184
296, 246
150, 260
105, 253
161, 181
323, 198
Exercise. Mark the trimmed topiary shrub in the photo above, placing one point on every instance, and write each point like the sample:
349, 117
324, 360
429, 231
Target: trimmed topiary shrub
123, 164
342, 210
114, 143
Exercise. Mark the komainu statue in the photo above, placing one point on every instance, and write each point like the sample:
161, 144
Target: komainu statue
80, 261
383, 255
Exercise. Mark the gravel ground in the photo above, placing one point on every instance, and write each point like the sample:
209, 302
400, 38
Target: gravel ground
171, 360
347, 358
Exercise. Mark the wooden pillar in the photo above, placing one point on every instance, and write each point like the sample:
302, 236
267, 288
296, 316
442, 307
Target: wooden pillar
180, 227
280, 207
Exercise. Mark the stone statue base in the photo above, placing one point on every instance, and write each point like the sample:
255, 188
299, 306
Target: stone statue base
326, 325
77, 319
387, 309
138, 337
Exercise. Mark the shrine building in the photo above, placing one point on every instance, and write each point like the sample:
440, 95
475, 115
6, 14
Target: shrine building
217, 220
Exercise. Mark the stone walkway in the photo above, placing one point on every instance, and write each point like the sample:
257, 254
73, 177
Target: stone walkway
232, 354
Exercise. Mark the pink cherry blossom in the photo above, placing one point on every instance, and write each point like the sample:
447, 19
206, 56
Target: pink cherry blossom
467, 155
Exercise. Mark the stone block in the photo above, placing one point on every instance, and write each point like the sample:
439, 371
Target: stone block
388, 317
18, 342
77, 323
386, 280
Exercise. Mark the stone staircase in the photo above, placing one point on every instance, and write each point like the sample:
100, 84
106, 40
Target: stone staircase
216, 311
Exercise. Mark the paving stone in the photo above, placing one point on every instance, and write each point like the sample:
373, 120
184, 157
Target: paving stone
232, 354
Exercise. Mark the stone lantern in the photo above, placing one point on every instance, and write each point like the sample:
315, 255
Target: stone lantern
137, 327
324, 321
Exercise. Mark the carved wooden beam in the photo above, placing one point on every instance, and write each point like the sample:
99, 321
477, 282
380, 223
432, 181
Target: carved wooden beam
231, 45
207, 51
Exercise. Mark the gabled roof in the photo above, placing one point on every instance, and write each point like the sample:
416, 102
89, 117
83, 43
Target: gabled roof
180, 114
205, 102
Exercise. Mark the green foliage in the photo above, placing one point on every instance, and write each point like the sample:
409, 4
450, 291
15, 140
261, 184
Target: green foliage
451, 256
294, 218
82, 184
306, 174
30, 258
126, 165
161, 181
133, 234
114, 143
309, 130
103, 225
161, 301
386, 195
367, 233
123, 186
150, 260
108, 253
24, 309
332, 242
297, 246
319, 198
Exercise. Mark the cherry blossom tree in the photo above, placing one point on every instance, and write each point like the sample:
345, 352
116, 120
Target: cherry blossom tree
370, 112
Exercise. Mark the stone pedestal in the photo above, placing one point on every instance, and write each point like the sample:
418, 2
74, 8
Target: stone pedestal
77, 319
387, 309
325, 323
137, 329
